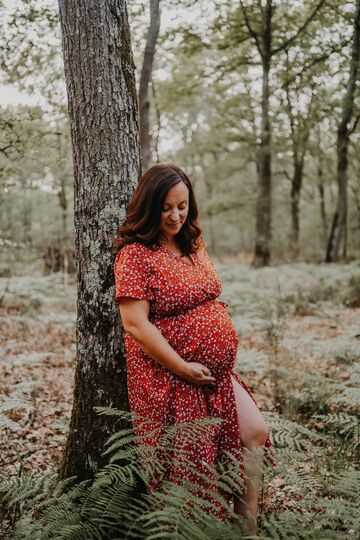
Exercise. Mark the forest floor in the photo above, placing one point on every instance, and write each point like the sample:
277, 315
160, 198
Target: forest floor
299, 353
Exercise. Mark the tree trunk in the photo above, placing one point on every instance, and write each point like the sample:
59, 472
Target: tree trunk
300, 133
63, 206
102, 103
323, 210
295, 206
321, 187
338, 228
158, 121
145, 77
263, 206
27, 216
62, 191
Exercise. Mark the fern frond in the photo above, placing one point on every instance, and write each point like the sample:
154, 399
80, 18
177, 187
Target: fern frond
286, 433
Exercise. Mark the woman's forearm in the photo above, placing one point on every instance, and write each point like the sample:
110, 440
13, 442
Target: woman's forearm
153, 343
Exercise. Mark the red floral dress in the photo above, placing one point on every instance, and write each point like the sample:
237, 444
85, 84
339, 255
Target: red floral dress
184, 308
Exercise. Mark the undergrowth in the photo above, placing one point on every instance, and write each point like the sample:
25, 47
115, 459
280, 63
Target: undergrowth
312, 492
115, 504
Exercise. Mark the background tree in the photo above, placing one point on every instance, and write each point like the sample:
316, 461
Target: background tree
31, 170
99, 74
268, 45
205, 101
145, 78
339, 224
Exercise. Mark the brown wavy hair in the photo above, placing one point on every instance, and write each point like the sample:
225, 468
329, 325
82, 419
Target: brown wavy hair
142, 221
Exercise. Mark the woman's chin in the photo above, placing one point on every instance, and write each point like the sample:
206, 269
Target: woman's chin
173, 230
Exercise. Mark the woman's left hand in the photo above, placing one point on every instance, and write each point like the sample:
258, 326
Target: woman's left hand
197, 373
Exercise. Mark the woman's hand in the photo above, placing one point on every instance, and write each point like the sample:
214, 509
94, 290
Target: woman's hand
197, 373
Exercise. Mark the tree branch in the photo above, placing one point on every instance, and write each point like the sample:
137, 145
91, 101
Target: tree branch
251, 30
290, 41
356, 121
316, 60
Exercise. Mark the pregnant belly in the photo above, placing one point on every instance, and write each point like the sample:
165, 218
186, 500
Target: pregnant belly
206, 334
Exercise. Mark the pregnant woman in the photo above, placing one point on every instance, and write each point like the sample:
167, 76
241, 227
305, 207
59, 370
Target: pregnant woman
180, 342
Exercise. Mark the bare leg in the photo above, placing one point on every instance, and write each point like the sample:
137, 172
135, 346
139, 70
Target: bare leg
253, 431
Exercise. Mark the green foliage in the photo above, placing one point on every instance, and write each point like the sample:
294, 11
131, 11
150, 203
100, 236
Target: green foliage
109, 505
292, 435
204, 113
345, 427
115, 504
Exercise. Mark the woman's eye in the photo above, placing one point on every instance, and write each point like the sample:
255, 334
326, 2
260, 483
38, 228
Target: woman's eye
168, 209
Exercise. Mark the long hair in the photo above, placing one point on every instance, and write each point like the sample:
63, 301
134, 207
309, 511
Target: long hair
142, 221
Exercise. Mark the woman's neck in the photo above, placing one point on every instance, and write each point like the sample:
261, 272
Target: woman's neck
169, 242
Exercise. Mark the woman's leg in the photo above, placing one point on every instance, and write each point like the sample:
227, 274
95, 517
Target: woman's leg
253, 433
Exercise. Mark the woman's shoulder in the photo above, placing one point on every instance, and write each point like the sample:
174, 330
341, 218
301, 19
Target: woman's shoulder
202, 249
133, 250
205, 257
133, 247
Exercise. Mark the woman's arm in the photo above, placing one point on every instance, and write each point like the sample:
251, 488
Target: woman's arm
135, 318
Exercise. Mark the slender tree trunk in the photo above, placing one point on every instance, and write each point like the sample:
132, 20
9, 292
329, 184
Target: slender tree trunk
27, 216
208, 181
266, 50
263, 207
300, 133
295, 207
323, 210
102, 102
321, 187
8, 207
158, 121
339, 224
62, 191
145, 77
63, 205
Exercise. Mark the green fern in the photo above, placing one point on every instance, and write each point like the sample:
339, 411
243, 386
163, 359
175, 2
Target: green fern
346, 425
289, 434
110, 506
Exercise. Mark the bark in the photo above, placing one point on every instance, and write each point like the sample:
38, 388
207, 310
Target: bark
339, 223
145, 78
62, 198
263, 206
296, 184
27, 217
321, 188
102, 104
158, 121
63, 206
323, 209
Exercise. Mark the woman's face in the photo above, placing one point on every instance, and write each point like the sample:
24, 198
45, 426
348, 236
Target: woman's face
174, 210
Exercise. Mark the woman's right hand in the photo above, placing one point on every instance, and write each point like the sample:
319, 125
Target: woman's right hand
197, 373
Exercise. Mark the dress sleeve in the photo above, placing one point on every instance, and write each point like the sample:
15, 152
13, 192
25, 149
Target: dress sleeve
132, 274
209, 260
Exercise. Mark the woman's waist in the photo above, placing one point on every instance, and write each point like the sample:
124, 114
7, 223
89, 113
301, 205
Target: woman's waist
196, 327
178, 312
